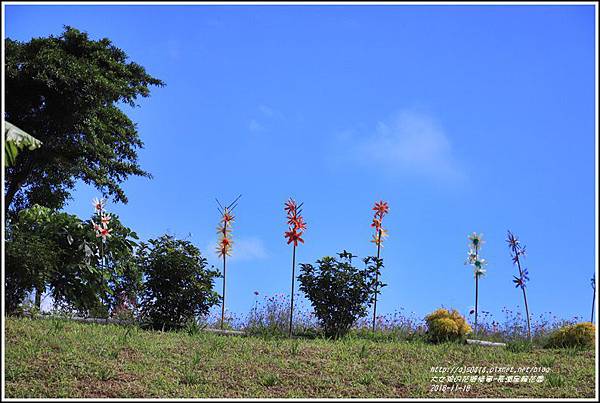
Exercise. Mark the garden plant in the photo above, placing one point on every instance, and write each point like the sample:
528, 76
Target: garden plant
444, 325
339, 292
582, 335
178, 284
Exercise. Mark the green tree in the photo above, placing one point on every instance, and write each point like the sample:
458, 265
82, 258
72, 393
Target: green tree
47, 250
178, 285
339, 292
66, 91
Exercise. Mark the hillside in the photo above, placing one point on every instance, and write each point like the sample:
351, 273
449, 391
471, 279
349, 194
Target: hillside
57, 358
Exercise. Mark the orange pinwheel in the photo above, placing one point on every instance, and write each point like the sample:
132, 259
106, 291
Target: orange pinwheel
224, 231
295, 221
225, 244
296, 225
380, 208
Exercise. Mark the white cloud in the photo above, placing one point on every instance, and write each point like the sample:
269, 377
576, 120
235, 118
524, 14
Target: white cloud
244, 249
254, 126
266, 118
409, 142
266, 110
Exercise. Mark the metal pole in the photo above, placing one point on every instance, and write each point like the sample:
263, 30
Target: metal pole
376, 277
476, 286
224, 273
292, 298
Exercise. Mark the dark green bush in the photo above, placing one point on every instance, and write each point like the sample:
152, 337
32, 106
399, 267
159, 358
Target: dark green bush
339, 292
178, 287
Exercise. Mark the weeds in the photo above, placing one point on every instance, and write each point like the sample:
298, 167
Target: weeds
295, 348
366, 379
196, 359
189, 377
555, 380
269, 380
364, 352
519, 346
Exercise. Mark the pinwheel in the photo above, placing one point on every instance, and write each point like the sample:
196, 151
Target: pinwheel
105, 219
225, 243
380, 208
517, 252
296, 227
101, 228
103, 232
475, 243
98, 204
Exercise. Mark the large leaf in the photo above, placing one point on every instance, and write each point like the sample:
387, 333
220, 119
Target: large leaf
16, 140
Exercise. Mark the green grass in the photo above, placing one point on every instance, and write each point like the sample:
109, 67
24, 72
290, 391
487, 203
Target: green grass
56, 358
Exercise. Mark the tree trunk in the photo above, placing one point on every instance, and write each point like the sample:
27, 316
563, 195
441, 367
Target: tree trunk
15, 183
38, 298
11, 191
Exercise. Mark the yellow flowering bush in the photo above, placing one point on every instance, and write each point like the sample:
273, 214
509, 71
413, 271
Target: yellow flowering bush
444, 325
577, 335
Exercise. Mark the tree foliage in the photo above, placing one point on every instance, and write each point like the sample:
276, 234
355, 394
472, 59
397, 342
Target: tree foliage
66, 91
339, 292
178, 286
58, 252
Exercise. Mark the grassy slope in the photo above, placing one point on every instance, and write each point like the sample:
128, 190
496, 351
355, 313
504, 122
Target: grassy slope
53, 358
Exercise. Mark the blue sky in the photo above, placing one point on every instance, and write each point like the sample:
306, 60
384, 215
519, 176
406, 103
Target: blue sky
464, 118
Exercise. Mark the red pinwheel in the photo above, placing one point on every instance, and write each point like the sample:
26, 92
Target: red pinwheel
101, 228
380, 208
297, 226
225, 243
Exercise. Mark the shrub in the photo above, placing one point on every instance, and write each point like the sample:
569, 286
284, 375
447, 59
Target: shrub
178, 286
576, 335
444, 325
49, 250
339, 292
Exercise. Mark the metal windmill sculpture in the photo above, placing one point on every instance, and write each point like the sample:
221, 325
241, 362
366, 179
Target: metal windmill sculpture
380, 208
101, 228
296, 228
225, 242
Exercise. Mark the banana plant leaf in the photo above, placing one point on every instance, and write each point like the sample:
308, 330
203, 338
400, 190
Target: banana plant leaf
16, 140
